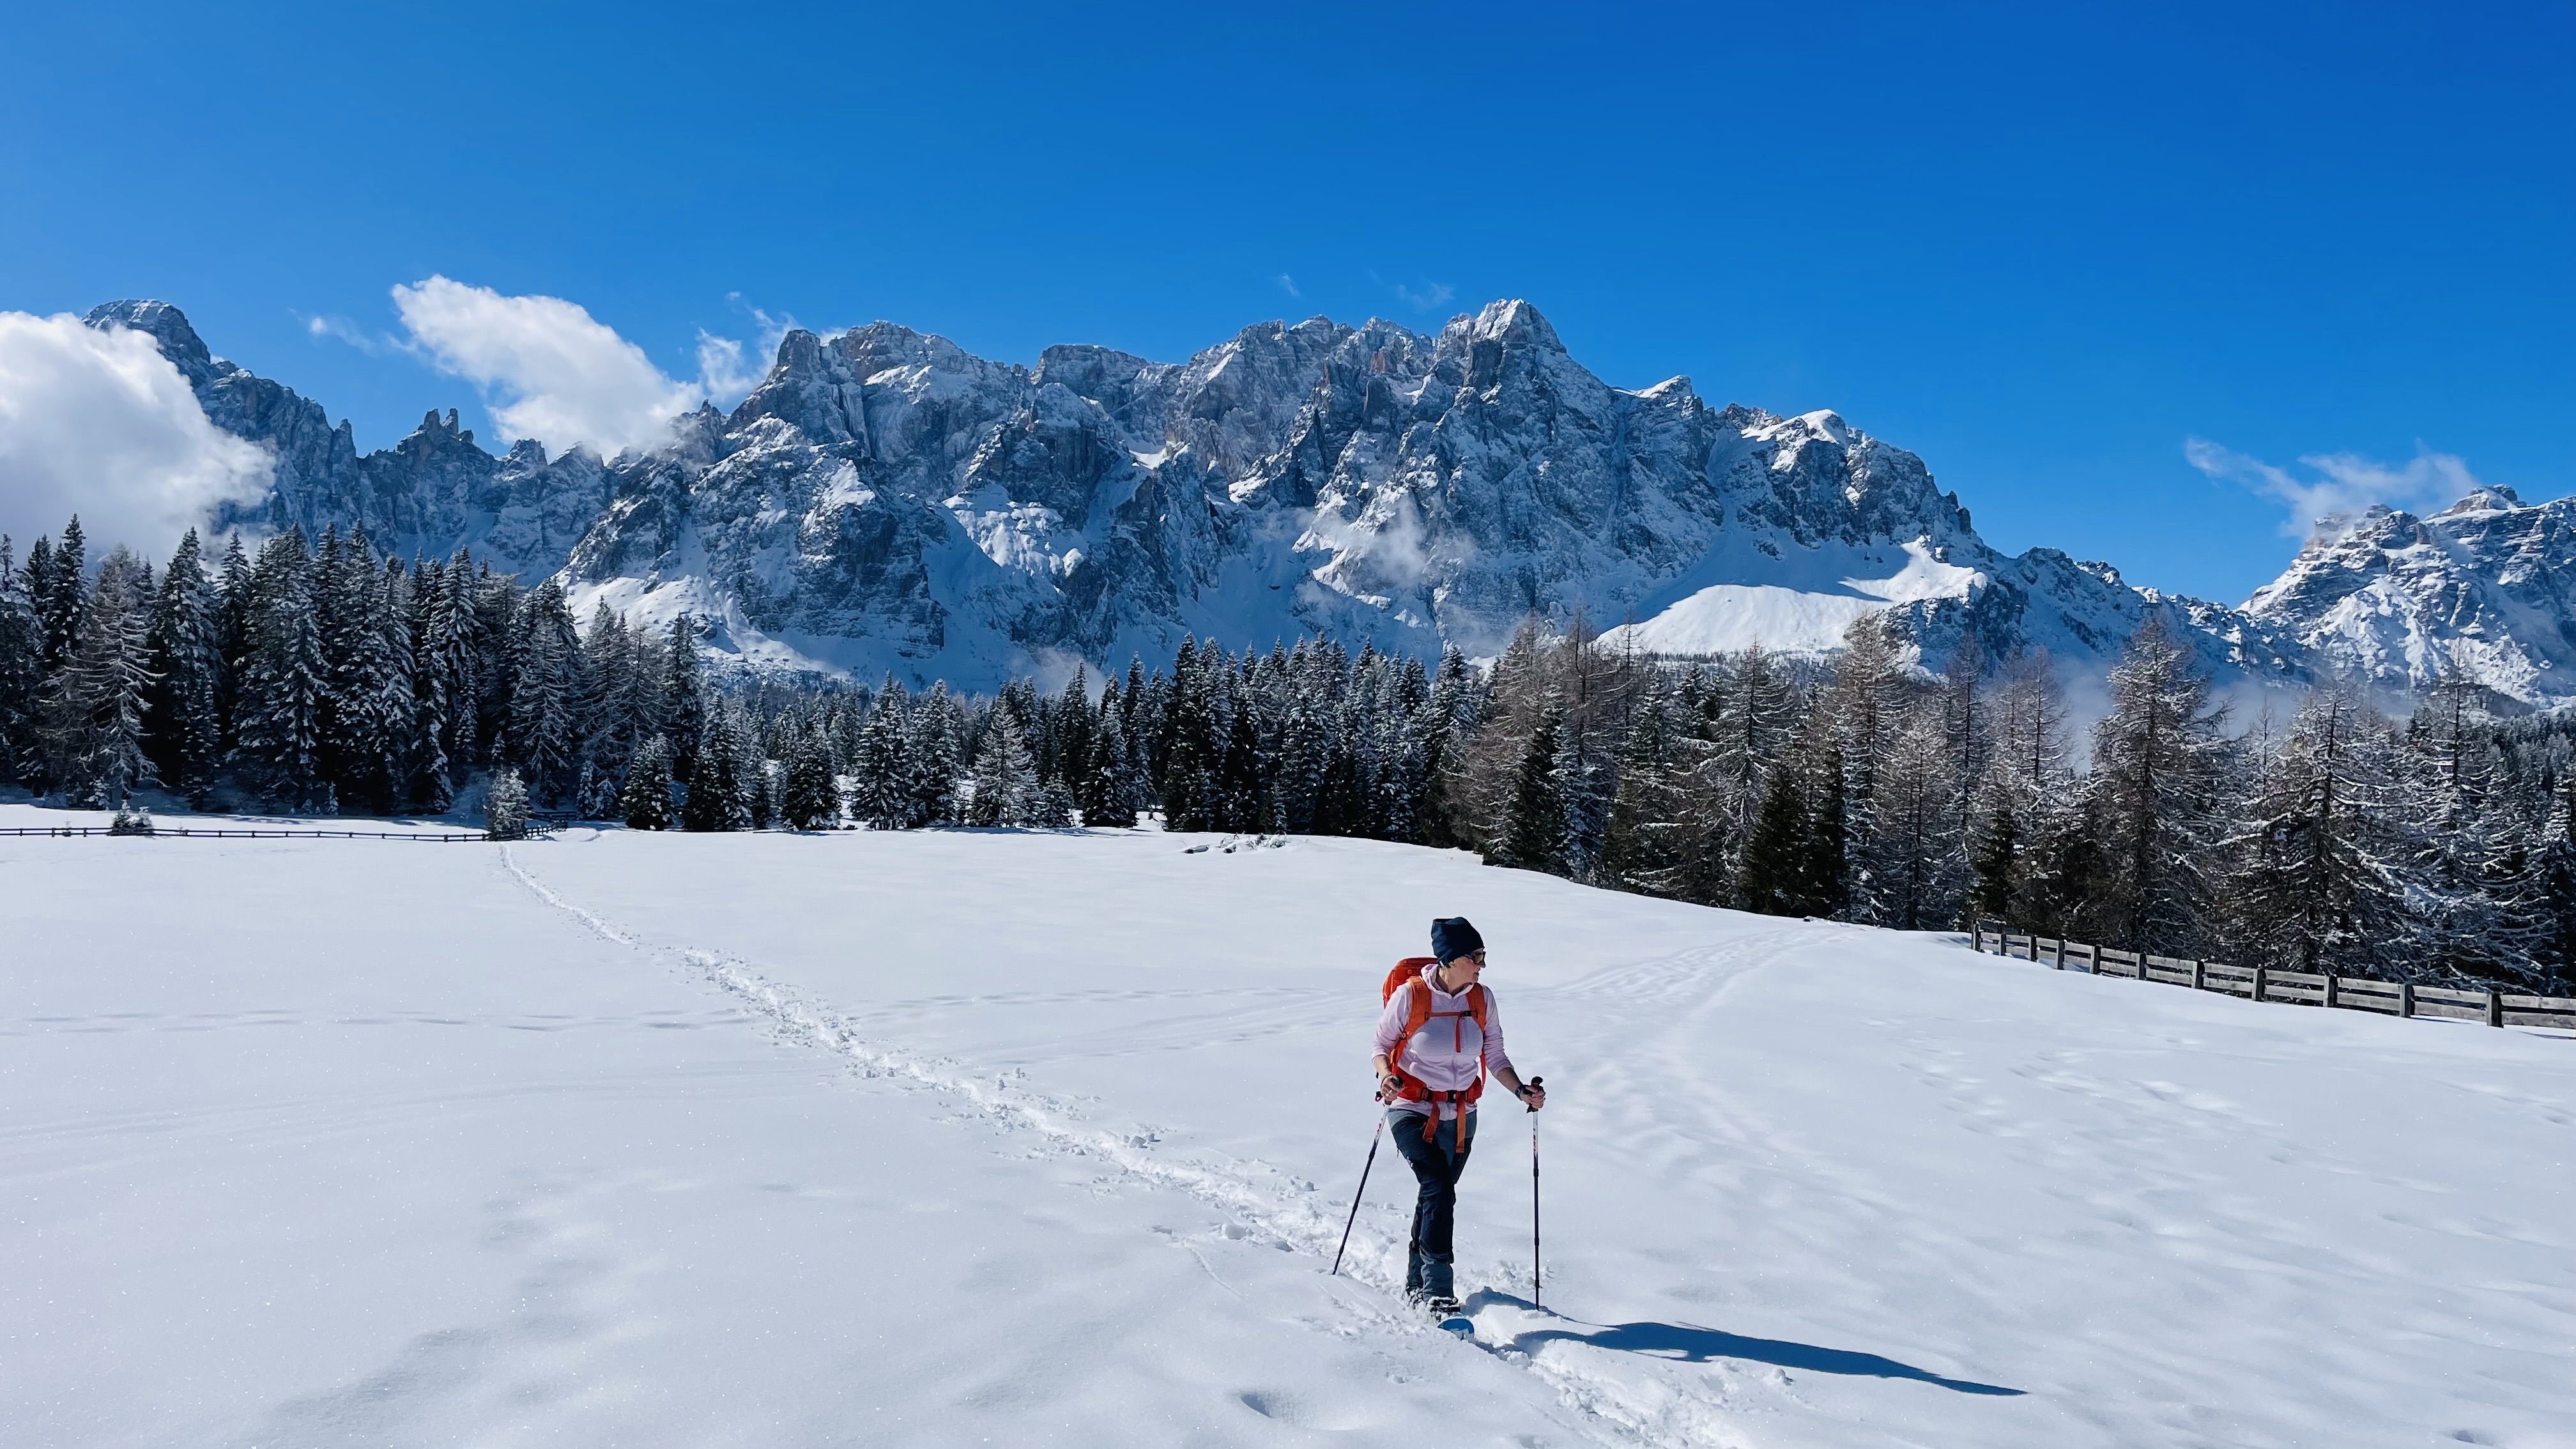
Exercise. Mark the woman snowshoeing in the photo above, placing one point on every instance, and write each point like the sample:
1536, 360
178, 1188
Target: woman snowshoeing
1436, 1038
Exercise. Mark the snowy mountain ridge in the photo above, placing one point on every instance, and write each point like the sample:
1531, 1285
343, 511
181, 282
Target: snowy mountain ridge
2486, 589
887, 501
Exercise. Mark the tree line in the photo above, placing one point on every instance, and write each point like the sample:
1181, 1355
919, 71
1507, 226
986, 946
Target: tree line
324, 675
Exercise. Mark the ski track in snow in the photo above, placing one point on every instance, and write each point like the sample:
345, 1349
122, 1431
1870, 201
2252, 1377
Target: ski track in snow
1704, 1409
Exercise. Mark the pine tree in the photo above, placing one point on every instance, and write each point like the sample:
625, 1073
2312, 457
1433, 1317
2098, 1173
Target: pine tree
1994, 895
1583, 804
684, 697
809, 796
1005, 774
1917, 849
443, 686
1241, 792
2555, 949
1641, 844
646, 799
282, 681
187, 732
236, 602
21, 669
2312, 888
1864, 705
1107, 793
505, 806
719, 795
1187, 781
881, 792
1774, 869
544, 687
92, 707
933, 759
1533, 827
60, 577
2160, 761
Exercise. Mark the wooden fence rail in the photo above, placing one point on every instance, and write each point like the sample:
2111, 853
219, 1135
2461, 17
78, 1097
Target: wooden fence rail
2305, 988
163, 832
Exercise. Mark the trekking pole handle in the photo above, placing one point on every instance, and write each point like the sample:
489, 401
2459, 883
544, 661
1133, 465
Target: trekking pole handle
1538, 1082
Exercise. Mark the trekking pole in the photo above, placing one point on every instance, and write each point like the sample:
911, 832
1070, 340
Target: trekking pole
1533, 1116
1355, 1197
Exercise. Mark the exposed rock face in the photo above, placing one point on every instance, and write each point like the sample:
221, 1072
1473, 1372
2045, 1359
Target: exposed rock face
2486, 588
886, 500
434, 491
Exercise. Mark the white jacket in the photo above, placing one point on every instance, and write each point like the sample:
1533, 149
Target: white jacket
1446, 1052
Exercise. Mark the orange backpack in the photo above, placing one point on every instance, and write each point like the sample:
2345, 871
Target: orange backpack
1418, 1015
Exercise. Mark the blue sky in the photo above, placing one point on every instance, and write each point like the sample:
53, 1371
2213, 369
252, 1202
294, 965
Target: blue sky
2043, 247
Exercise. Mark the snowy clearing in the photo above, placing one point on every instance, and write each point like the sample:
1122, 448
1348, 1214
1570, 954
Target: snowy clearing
1041, 1139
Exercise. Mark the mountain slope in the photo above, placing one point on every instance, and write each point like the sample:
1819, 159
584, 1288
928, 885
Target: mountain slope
885, 500
2485, 588
621, 1141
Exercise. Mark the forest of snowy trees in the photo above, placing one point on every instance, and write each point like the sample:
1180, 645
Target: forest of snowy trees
321, 675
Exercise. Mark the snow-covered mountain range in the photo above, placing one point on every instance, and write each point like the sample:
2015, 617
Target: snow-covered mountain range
885, 500
2485, 588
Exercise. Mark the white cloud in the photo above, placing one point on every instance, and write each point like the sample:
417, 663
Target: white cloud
1288, 284
547, 369
2340, 485
341, 329
97, 422
1428, 296
726, 372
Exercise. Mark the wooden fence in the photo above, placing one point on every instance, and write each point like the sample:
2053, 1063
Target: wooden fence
2304, 988
164, 832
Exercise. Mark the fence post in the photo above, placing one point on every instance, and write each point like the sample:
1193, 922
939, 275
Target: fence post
2200, 976
2495, 1008
2405, 999
2060, 963
2332, 981
1977, 937
2258, 983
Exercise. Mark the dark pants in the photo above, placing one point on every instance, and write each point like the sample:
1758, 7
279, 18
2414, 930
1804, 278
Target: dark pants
1436, 1165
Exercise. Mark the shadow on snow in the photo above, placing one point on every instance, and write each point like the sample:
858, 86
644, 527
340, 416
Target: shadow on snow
1685, 1344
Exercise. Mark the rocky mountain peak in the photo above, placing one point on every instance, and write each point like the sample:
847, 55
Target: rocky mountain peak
885, 499
168, 327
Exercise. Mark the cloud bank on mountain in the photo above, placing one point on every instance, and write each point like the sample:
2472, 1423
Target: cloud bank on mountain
2343, 485
96, 421
547, 369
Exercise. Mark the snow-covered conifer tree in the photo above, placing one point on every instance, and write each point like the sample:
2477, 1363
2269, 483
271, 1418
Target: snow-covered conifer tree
546, 654
2160, 761
59, 575
505, 806
21, 668
810, 795
1917, 846
92, 707
934, 757
684, 697
2313, 883
719, 795
278, 724
646, 799
1005, 774
186, 659
1531, 833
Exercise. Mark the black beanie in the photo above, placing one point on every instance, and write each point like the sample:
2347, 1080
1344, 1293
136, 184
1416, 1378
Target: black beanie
1452, 938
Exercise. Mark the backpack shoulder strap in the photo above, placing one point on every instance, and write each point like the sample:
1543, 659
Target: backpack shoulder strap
1478, 1001
1417, 1007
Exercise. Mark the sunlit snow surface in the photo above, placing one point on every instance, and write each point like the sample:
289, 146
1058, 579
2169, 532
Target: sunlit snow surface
957, 1138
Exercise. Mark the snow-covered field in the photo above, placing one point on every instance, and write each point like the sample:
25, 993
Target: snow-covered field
960, 1139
